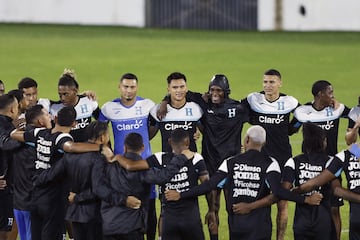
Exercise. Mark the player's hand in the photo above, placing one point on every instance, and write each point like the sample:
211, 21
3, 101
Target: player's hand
211, 221
133, 202
206, 97
71, 197
19, 123
162, 110
108, 153
241, 208
188, 154
90, 94
172, 195
2, 182
314, 199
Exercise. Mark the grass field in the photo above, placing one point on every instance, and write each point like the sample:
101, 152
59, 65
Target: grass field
100, 55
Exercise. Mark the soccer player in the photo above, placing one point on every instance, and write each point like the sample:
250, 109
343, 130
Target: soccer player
128, 114
47, 213
2, 88
30, 90
180, 113
271, 109
8, 112
222, 124
325, 112
349, 163
85, 107
354, 125
78, 170
311, 222
180, 220
248, 177
24, 163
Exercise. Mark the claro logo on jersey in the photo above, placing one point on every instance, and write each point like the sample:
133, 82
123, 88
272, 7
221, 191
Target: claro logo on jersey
130, 126
173, 126
327, 126
81, 123
271, 120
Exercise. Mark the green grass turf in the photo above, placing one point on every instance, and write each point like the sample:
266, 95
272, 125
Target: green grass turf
100, 55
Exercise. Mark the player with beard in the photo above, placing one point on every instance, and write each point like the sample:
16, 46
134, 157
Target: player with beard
129, 114
222, 124
325, 112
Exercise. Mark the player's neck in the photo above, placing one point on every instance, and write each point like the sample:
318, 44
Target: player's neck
59, 128
178, 104
272, 97
318, 105
127, 103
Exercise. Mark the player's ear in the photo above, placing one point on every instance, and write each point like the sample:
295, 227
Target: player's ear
74, 124
142, 148
187, 142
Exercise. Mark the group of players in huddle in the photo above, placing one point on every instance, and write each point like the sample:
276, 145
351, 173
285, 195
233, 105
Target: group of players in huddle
58, 170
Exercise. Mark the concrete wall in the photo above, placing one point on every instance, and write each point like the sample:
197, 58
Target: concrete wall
311, 15
92, 12
297, 15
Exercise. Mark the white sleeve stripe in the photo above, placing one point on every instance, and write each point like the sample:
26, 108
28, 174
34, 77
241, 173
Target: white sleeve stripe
158, 156
341, 156
274, 166
37, 130
223, 167
62, 135
197, 158
290, 163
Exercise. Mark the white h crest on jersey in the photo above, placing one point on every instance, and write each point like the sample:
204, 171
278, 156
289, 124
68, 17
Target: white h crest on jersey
232, 112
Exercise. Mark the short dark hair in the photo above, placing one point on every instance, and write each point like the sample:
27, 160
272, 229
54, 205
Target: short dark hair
68, 80
66, 116
6, 100
273, 72
1, 82
134, 141
319, 86
27, 83
33, 113
128, 76
17, 93
178, 135
95, 129
313, 138
175, 76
